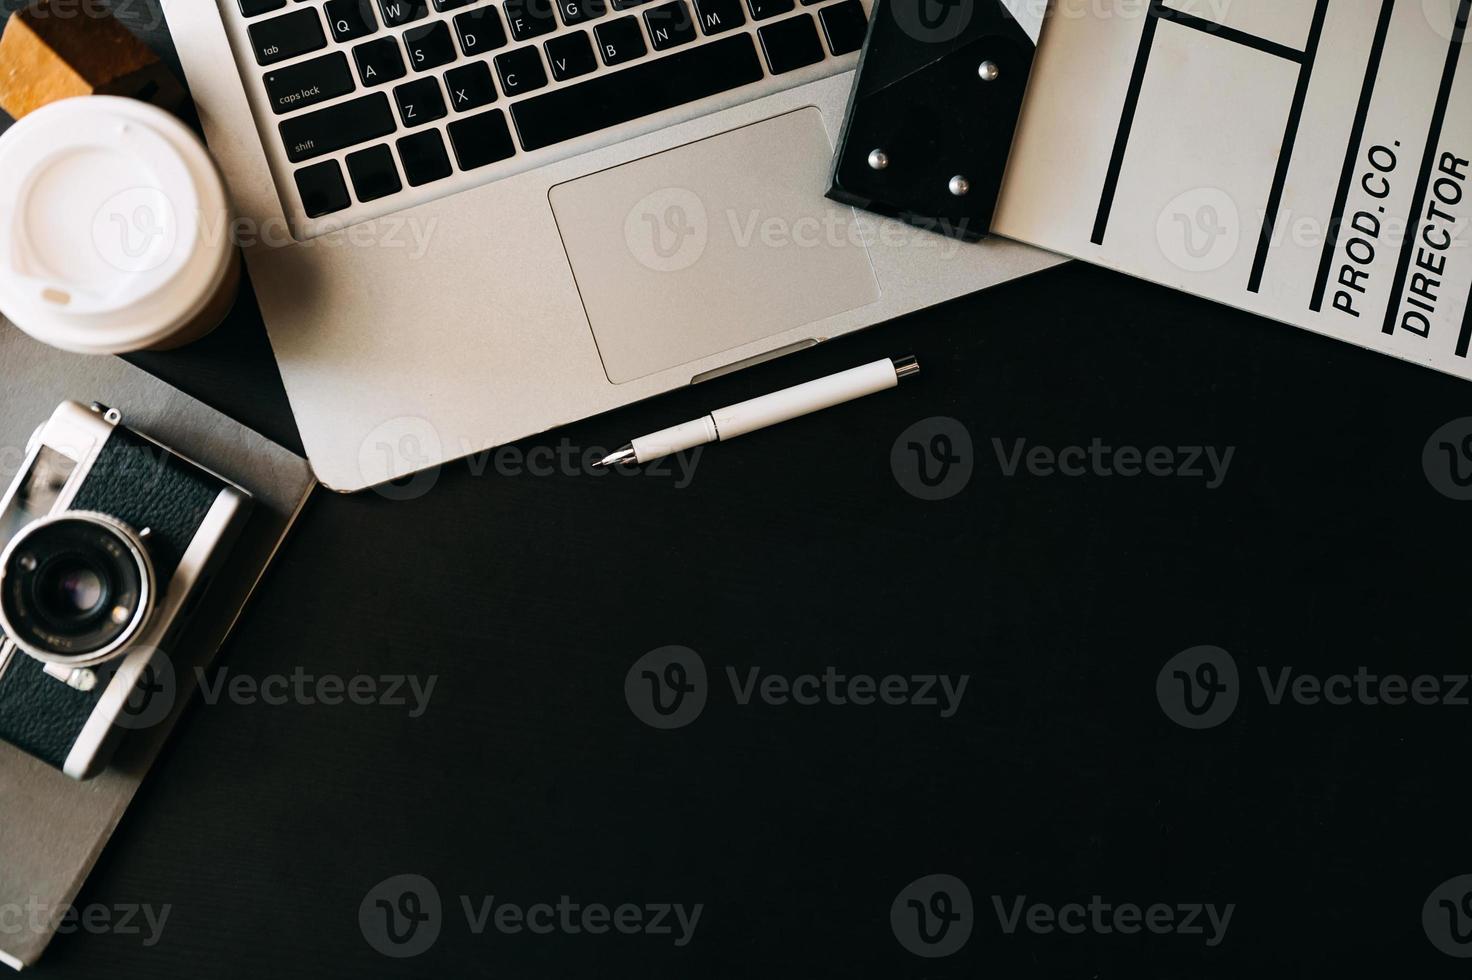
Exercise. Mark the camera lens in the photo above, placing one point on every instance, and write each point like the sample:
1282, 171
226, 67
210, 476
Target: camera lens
75, 589
72, 590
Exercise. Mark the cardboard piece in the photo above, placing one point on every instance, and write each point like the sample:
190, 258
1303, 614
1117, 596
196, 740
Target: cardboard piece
52, 828
55, 49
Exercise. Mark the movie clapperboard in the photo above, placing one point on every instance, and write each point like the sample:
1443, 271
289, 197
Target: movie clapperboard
1306, 160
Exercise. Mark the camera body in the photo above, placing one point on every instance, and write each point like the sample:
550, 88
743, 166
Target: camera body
107, 542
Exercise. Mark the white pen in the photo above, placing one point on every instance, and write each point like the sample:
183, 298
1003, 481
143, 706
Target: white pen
758, 413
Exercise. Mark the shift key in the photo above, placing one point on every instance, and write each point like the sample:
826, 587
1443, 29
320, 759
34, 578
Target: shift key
304, 85
337, 127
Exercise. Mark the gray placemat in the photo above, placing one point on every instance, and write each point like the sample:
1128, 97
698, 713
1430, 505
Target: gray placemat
52, 829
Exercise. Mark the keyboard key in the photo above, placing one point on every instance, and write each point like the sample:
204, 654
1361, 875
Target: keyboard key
350, 19
481, 140
420, 102
530, 18
716, 16
470, 86
480, 30
429, 46
571, 55
608, 100
576, 12
397, 13
373, 172
792, 44
620, 41
443, 5
287, 36
322, 189
308, 83
379, 61
424, 158
762, 9
627, 4
669, 25
846, 25
520, 71
254, 8
337, 127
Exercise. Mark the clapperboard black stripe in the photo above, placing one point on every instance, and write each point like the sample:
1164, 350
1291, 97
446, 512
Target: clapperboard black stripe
1290, 142
1428, 163
1228, 33
1465, 340
1126, 121
1159, 11
1352, 155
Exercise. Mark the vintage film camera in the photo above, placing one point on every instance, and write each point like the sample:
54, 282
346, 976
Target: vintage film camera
109, 541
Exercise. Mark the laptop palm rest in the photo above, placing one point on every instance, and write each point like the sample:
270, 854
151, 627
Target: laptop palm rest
713, 245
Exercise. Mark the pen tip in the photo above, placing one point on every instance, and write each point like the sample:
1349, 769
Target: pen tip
624, 455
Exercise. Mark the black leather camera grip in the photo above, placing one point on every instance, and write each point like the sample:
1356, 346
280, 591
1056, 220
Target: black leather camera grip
938, 97
146, 486
41, 715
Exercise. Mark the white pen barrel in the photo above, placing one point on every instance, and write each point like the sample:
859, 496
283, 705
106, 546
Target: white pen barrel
675, 439
814, 396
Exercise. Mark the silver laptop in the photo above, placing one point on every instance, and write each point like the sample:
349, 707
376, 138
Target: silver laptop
469, 221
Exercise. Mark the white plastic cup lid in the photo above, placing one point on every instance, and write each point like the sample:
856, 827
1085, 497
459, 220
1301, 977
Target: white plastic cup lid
114, 225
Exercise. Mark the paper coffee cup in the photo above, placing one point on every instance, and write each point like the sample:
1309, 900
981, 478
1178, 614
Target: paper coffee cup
114, 229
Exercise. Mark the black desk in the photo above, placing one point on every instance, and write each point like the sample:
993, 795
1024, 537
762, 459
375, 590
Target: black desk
1060, 777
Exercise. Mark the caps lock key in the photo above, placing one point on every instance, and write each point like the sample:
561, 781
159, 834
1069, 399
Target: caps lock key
303, 85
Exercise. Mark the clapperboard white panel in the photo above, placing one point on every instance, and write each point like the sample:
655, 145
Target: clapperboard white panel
1308, 160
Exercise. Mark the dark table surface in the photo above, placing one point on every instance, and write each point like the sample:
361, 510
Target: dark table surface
1069, 770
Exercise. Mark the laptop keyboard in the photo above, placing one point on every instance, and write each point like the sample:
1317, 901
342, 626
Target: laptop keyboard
381, 99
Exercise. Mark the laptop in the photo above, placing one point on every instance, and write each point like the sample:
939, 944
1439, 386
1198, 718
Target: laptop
471, 221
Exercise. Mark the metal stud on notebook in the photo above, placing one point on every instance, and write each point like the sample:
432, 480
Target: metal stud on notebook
989, 71
960, 186
878, 159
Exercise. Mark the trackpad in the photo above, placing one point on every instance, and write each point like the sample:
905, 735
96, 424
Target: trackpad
713, 245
